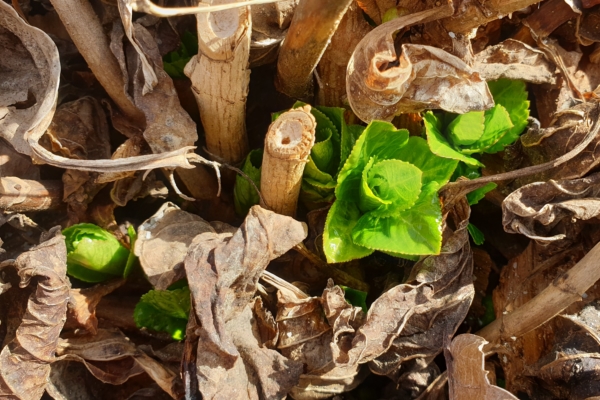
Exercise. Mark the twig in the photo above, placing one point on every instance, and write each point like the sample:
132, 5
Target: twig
562, 292
313, 25
148, 7
85, 29
287, 146
282, 284
21, 195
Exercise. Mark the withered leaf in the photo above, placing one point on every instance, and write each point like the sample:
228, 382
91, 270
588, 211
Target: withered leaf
112, 358
541, 210
25, 361
223, 271
307, 329
163, 242
415, 319
29, 73
515, 60
381, 85
467, 377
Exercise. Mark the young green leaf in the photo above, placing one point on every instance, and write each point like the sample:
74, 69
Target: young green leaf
355, 297
131, 259
512, 95
337, 235
244, 193
438, 143
476, 234
478, 194
94, 254
175, 61
164, 311
467, 128
434, 168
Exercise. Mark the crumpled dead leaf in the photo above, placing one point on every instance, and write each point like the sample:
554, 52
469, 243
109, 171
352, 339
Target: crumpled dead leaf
25, 360
307, 329
113, 358
29, 74
547, 211
515, 60
467, 377
381, 85
163, 242
407, 326
223, 271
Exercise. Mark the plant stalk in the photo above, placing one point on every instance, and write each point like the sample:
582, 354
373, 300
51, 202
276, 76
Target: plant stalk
220, 79
21, 195
287, 146
313, 25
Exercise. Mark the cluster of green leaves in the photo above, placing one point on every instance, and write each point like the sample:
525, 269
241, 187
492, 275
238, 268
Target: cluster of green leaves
334, 139
175, 61
165, 310
386, 197
95, 255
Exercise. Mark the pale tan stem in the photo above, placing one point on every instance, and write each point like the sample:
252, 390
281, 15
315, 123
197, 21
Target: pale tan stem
22, 195
475, 13
562, 292
287, 146
85, 30
220, 78
313, 25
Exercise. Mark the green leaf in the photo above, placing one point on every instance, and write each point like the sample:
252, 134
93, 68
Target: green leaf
131, 260
394, 182
476, 234
434, 168
337, 235
438, 143
94, 254
164, 310
355, 297
478, 194
497, 125
244, 194
467, 128
415, 231
380, 140
175, 61
512, 95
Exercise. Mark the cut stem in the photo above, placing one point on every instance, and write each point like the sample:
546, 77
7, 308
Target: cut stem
287, 146
313, 25
220, 78
21, 195
85, 30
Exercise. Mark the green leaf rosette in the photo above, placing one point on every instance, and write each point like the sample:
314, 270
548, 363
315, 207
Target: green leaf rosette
164, 311
94, 254
386, 197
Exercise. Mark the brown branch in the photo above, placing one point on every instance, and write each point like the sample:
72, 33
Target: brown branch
20, 195
313, 25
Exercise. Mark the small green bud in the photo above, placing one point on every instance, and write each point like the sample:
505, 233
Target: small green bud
94, 254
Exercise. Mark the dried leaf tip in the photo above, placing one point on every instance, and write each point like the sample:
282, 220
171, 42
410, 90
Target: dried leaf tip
287, 146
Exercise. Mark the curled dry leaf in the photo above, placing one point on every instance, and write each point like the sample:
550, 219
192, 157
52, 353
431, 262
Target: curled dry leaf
414, 320
307, 329
515, 60
163, 242
25, 361
467, 377
113, 358
541, 210
29, 73
425, 77
223, 271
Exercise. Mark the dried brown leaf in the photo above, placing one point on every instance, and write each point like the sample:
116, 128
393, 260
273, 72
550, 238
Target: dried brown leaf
515, 60
112, 358
25, 361
380, 84
82, 305
546, 211
414, 320
163, 242
13, 163
467, 377
223, 271
376, 8
308, 327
